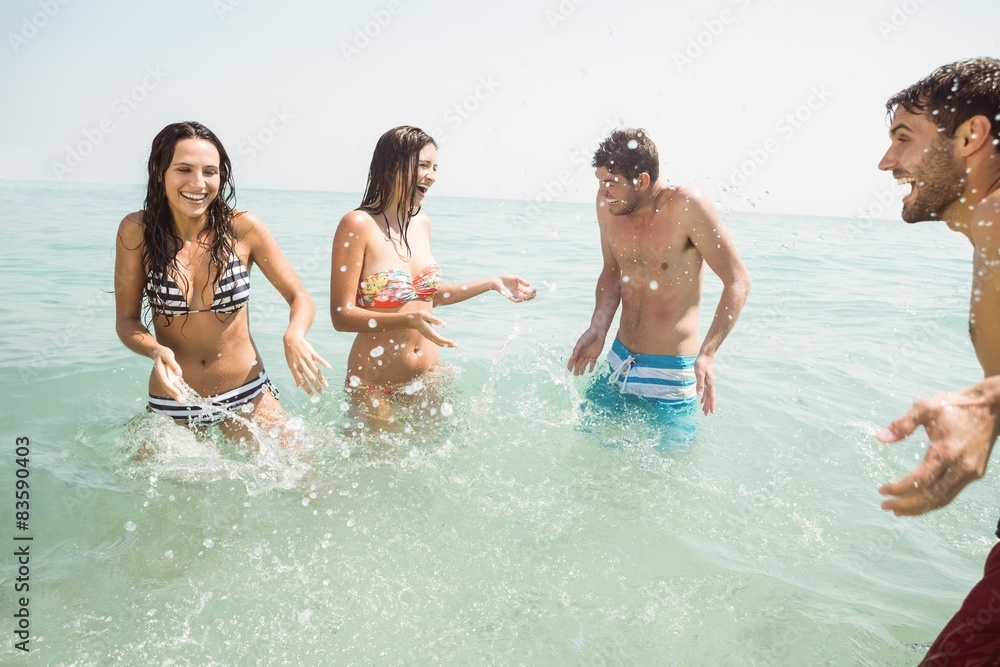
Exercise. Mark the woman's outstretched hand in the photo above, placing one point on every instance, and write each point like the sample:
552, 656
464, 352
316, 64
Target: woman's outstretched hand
513, 287
304, 363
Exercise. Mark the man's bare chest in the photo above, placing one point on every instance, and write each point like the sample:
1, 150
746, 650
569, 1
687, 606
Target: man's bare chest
643, 247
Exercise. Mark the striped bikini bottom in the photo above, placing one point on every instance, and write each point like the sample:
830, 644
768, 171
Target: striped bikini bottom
212, 410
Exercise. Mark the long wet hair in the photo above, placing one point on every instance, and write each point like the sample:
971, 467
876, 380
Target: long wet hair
160, 239
954, 93
393, 171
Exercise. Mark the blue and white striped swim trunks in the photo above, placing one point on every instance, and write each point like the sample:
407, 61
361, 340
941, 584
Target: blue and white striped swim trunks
665, 379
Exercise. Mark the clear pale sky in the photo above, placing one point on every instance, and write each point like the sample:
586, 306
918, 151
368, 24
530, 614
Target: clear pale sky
775, 106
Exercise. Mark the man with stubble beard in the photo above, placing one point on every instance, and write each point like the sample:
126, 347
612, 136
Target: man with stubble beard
945, 133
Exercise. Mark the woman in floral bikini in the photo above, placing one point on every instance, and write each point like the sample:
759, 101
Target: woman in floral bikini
384, 281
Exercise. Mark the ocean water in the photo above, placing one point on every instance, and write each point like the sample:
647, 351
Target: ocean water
502, 529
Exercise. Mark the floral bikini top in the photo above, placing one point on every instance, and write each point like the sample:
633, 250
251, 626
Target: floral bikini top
392, 288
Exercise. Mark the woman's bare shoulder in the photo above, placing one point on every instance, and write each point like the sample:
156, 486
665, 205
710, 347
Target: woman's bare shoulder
131, 229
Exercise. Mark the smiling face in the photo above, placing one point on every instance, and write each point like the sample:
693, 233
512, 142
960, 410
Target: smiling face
426, 172
191, 182
922, 156
617, 193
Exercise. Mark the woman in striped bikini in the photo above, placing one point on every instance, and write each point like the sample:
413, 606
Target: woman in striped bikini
190, 254
384, 281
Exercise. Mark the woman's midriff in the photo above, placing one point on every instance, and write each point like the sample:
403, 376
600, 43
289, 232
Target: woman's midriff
214, 356
391, 357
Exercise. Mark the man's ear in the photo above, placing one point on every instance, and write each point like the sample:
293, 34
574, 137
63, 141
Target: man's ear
973, 134
643, 181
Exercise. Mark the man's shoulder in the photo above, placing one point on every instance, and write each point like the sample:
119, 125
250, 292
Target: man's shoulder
686, 203
989, 209
984, 225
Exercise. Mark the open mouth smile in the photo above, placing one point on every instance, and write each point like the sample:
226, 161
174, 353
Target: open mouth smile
907, 180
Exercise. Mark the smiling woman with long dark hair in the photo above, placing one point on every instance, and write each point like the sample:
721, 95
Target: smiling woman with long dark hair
384, 281
189, 254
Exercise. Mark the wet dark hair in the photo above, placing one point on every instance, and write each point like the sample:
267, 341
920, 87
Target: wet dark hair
614, 154
394, 170
954, 93
160, 240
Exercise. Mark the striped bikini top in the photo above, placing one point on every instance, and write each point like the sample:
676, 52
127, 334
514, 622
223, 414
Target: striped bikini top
231, 294
392, 288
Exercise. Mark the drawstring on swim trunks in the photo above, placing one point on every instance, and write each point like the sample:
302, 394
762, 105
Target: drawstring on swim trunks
623, 370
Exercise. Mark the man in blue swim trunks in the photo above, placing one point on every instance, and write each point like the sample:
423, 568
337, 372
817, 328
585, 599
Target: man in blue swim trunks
655, 239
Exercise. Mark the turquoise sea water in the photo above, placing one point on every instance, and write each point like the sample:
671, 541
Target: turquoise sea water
506, 533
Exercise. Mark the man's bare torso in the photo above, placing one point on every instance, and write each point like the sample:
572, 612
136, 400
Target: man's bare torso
661, 277
984, 306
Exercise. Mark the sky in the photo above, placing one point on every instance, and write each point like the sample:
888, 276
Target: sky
774, 106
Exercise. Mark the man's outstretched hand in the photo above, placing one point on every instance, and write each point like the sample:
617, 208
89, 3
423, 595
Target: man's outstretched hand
962, 428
